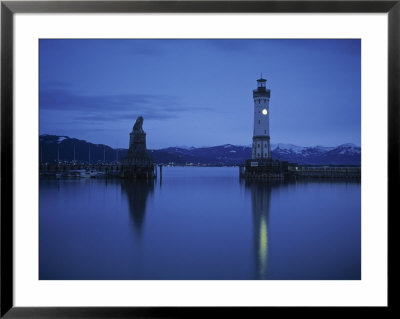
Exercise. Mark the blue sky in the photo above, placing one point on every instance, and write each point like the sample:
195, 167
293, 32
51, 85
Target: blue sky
199, 92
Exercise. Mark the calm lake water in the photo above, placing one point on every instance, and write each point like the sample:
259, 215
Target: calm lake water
199, 223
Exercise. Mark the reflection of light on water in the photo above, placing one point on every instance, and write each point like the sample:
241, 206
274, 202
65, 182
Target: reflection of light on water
262, 252
260, 192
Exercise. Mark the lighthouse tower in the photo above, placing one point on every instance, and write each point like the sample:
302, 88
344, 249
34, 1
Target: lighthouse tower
261, 140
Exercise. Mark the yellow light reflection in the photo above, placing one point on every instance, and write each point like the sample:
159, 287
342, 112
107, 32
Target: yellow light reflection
262, 254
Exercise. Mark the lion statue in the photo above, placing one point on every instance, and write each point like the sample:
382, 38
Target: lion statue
138, 125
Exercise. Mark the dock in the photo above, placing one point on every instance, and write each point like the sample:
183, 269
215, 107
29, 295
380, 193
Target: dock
326, 171
99, 170
270, 169
264, 168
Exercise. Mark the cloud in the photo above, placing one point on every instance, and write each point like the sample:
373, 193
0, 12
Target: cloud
55, 85
99, 117
106, 108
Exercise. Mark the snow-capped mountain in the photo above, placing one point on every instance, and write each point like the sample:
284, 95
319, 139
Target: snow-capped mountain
63, 147
298, 149
345, 154
216, 155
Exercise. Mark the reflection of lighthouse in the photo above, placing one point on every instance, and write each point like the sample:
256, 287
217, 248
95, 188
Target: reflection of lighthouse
260, 202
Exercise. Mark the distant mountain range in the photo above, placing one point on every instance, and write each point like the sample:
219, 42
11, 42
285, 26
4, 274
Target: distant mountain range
63, 148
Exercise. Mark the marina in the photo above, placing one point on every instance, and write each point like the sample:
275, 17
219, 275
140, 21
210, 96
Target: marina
281, 170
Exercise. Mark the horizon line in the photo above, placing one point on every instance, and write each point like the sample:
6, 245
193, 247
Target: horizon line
203, 146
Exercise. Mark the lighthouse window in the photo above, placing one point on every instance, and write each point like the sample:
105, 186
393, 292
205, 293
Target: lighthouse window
258, 121
265, 131
258, 145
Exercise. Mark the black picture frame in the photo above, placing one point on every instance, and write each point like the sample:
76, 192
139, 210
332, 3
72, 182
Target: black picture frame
9, 8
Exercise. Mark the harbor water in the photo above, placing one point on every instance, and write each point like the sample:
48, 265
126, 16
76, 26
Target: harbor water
199, 223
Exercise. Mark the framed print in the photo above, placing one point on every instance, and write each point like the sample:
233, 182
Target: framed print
188, 158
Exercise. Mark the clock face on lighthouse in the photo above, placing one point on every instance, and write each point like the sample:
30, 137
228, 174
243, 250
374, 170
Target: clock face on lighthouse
264, 111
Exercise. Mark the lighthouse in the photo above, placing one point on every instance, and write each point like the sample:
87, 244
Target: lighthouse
261, 165
261, 148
